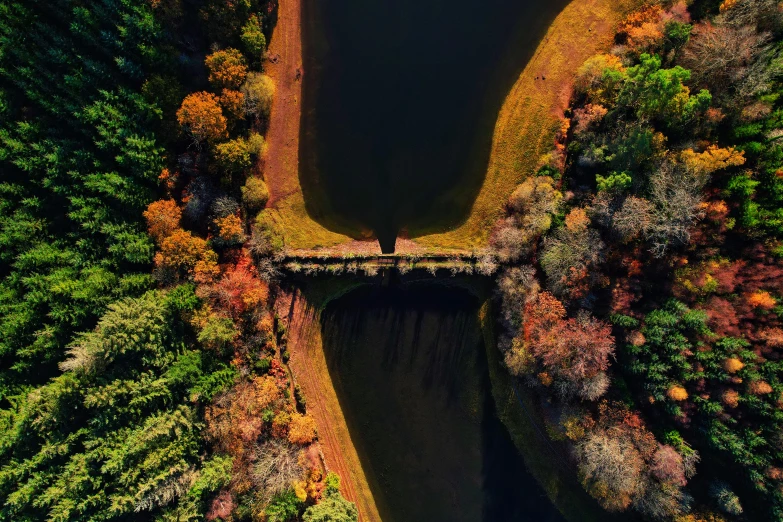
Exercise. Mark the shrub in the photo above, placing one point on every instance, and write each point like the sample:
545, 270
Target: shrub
266, 239
255, 194
256, 144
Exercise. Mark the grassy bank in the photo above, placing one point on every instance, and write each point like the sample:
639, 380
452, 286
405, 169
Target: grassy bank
530, 116
525, 128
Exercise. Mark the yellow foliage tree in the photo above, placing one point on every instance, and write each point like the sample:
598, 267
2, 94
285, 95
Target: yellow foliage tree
733, 365
227, 68
301, 430
712, 160
677, 393
761, 299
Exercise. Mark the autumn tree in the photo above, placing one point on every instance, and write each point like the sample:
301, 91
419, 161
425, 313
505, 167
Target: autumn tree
233, 103
227, 69
570, 255
301, 429
185, 256
259, 90
255, 193
232, 157
163, 218
201, 116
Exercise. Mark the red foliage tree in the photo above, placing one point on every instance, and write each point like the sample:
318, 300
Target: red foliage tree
576, 348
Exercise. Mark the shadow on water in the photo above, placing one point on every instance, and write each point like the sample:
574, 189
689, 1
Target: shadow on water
400, 103
410, 370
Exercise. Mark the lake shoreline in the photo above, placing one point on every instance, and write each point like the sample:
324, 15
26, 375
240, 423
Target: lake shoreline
531, 115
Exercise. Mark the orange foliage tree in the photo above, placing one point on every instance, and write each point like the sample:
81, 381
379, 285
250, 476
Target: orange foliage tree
183, 255
163, 218
201, 116
238, 291
577, 348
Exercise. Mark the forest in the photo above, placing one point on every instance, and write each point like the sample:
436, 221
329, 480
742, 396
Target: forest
142, 372
144, 368
641, 267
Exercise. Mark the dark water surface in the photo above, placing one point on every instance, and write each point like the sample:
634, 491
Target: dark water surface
410, 370
400, 103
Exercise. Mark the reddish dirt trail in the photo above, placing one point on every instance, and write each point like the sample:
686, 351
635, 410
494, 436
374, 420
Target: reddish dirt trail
308, 364
281, 169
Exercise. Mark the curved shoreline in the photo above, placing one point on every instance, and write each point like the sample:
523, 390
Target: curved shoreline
531, 114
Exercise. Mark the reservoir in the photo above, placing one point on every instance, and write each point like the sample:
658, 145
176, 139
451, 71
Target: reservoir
410, 369
399, 106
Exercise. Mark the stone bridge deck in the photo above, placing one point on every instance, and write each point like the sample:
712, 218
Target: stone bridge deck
337, 262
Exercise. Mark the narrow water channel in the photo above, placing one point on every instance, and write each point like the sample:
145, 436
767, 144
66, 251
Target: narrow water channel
410, 370
400, 102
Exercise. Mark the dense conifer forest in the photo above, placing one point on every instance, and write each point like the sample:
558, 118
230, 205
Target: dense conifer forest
127, 386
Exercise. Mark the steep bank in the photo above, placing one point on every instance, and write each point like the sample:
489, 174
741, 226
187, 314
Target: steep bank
308, 363
531, 115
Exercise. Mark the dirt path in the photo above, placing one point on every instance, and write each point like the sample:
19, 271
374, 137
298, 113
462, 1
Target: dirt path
285, 57
308, 364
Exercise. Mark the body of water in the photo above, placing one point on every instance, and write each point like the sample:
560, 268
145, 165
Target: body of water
400, 103
410, 370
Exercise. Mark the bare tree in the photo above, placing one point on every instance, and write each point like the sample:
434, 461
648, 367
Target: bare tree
276, 467
570, 252
730, 60
510, 242
516, 285
763, 15
634, 218
676, 196
662, 500
610, 468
